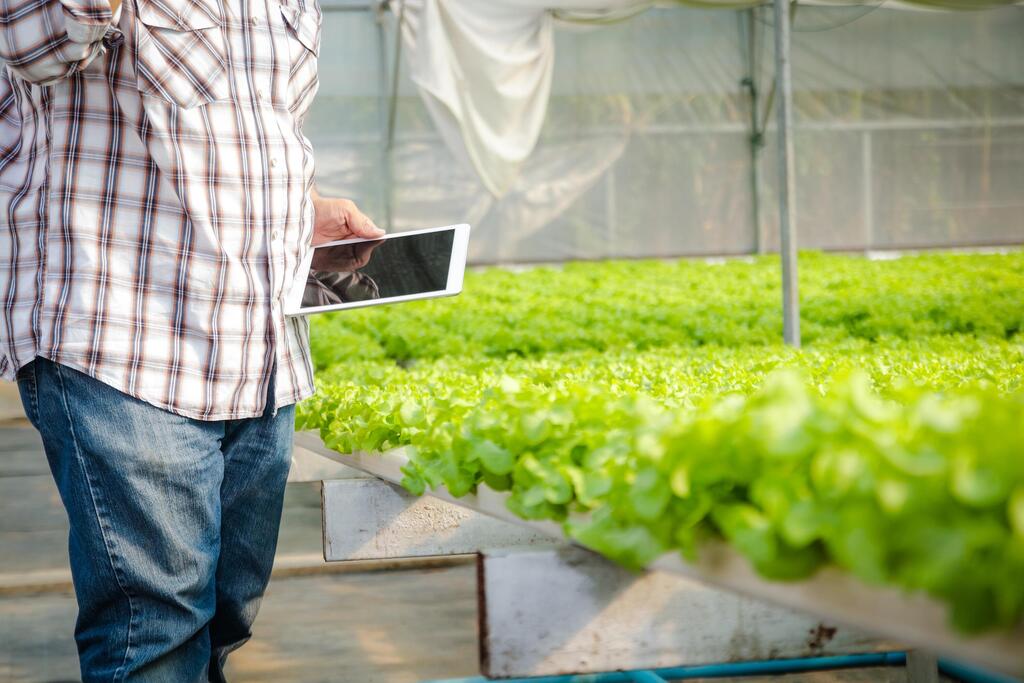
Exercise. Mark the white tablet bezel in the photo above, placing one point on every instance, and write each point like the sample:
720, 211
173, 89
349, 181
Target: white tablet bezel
456, 271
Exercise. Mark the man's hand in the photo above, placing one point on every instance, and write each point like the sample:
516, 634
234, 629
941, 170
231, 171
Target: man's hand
340, 219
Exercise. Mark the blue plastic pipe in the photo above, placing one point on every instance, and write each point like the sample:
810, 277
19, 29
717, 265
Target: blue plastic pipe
646, 677
971, 674
962, 672
784, 666
774, 666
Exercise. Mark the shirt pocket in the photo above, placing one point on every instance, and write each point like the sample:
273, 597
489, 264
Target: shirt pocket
10, 119
181, 56
304, 24
17, 147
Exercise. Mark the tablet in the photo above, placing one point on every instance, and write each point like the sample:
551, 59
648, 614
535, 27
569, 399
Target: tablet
403, 266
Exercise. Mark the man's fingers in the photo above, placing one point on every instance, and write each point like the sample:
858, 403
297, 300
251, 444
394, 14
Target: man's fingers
340, 219
361, 225
369, 229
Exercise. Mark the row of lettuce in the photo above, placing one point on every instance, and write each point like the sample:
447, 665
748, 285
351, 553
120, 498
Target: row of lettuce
643, 305
648, 407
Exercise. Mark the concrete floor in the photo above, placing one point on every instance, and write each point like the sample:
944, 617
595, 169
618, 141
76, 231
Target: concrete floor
385, 627
391, 627
382, 627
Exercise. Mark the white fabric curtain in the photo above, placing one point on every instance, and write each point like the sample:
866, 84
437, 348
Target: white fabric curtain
484, 70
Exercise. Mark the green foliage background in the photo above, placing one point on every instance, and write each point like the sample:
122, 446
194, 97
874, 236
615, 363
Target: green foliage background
649, 406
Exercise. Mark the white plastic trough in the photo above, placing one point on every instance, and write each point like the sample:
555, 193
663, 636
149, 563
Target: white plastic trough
832, 595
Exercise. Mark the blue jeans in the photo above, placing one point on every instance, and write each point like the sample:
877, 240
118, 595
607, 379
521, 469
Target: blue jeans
174, 524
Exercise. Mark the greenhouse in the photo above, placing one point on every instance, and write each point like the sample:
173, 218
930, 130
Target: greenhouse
725, 382
649, 408
657, 139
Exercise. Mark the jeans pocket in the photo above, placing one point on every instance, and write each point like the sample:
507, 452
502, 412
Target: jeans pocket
29, 390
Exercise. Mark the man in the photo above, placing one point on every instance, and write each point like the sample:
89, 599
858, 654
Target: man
155, 202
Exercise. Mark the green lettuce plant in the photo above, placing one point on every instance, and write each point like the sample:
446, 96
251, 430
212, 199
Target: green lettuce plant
648, 407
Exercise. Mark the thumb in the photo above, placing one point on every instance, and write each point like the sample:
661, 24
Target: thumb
370, 228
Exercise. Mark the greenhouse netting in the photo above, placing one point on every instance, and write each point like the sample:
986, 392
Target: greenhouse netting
658, 135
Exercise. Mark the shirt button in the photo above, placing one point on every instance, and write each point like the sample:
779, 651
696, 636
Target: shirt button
255, 21
273, 162
113, 37
275, 235
259, 94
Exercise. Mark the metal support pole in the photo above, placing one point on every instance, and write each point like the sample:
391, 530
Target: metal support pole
867, 188
384, 107
749, 29
396, 71
611, 211
388, 101
787, 208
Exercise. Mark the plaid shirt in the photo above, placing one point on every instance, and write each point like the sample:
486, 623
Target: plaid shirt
155, 195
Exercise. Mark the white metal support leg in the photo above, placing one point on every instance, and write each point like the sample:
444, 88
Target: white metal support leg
922, 667
787, 177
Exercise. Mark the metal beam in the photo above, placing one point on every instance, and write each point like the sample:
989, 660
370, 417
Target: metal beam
787, 204
386, 105
396, 72
749, 29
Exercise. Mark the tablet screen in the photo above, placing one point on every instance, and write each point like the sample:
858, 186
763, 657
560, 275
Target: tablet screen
379, 269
